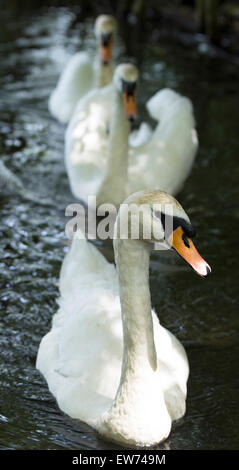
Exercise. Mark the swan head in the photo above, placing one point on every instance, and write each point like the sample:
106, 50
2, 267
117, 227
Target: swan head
125, 81
161, 218
105, 30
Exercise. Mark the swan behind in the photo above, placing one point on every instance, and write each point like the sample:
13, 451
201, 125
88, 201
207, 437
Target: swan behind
99, 159
82, 72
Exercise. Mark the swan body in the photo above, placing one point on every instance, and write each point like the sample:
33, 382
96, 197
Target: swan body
107, 359
103, 159
81, 74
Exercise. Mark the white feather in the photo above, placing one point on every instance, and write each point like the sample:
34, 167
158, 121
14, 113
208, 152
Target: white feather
76, 80
81, 356
162, 158
81, 74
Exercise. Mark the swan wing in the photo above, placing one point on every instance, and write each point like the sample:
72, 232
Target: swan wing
173, 368
166, 158
84, 263
81, 355
141, 135
76, 79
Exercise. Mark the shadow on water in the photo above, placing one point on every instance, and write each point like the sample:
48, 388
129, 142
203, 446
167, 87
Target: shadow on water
202, 313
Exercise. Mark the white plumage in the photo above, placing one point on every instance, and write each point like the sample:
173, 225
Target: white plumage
99, 160
81, 74
81, 357
76, 80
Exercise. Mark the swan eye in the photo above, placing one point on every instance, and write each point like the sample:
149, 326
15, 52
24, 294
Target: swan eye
185, 240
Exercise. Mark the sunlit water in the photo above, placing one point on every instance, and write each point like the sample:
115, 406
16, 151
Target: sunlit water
202, 313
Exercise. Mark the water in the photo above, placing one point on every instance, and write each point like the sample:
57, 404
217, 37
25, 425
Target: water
202, 313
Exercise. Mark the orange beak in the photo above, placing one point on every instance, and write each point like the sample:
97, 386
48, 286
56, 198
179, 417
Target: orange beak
106, 52
186, 249
130, 106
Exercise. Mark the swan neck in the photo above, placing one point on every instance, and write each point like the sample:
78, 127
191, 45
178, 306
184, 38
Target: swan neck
132, 261
103, 75
114, 187
119, 131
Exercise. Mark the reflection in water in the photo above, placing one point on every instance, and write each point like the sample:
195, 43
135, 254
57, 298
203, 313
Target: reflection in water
203, 314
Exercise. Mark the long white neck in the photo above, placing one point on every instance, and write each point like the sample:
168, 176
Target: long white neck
103, 74
132, 260
114, 187
138, 414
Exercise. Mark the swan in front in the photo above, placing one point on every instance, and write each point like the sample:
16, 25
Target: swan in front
107, 359
82, 72
98, 157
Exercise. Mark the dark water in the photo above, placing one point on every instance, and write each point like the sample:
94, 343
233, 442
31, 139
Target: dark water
202, 313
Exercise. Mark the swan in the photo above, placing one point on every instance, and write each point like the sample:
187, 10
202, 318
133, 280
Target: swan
107, 359
98, 157
82, 73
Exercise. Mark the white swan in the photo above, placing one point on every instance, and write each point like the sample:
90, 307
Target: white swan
81, 356
99, 160
82, 73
